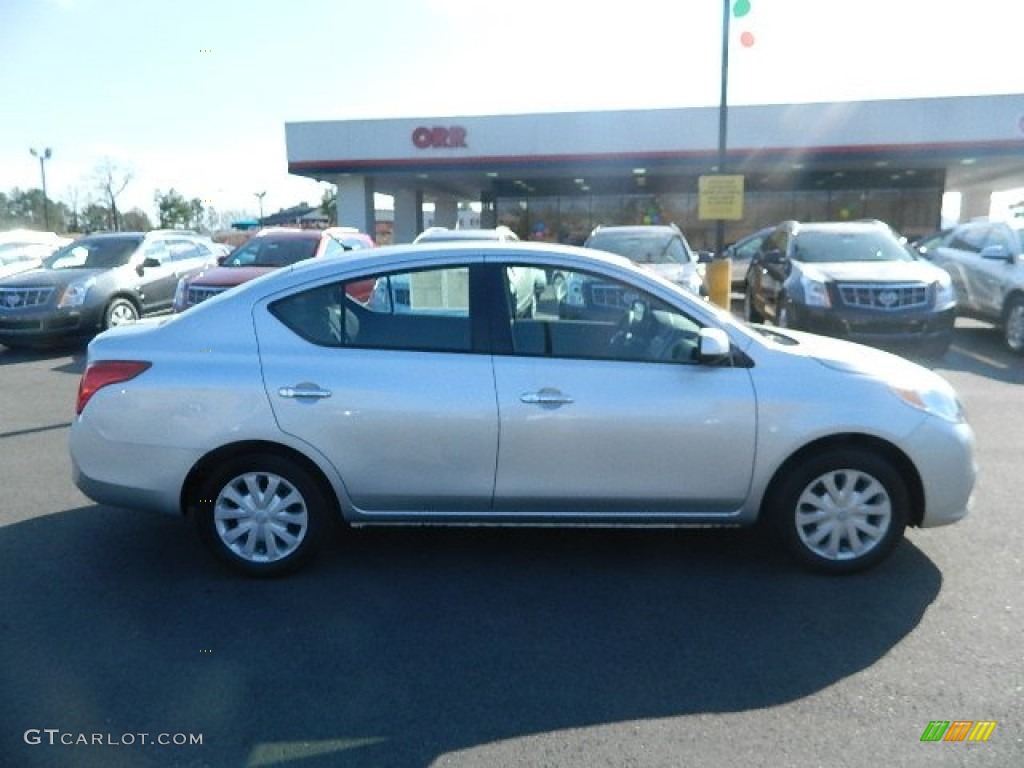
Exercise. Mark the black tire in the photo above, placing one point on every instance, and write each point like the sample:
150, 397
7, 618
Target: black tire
750, 314
229, 499
824, 483
1013, 324
118, 312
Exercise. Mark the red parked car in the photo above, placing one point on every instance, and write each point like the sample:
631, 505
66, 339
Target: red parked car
267, 250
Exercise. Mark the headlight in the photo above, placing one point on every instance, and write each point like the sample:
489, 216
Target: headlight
74, 295
937, 402
815, 293
944, 293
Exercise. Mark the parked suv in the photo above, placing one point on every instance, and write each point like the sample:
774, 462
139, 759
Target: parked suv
96, 282
267, 250
985, 260
659, 247
855, 280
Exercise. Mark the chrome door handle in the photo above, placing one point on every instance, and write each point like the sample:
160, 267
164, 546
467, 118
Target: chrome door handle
304, 390
546, 397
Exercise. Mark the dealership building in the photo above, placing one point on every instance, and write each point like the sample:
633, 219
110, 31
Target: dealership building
556, 176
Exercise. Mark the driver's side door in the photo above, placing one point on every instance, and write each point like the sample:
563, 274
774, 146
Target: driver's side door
599, 417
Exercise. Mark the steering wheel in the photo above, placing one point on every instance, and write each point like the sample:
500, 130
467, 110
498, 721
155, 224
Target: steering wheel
633, 332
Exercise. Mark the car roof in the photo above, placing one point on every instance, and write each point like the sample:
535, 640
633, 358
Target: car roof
639, 229
443, 234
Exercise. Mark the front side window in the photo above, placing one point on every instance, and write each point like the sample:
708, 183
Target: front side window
425, 310
589, 316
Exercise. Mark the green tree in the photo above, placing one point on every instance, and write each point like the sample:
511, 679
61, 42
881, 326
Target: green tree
195, 207
329, 206
173, 210
95, 217
136, 220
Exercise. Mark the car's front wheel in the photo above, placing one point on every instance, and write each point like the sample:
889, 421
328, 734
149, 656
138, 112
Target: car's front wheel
263, 515
119, 312
1013, 324
841, 510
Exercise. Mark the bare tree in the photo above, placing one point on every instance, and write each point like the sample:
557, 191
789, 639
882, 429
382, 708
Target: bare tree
111, 179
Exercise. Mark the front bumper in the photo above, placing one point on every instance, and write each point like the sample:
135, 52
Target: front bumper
877, 328
48, 324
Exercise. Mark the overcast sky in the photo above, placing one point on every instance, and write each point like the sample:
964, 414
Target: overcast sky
194, 94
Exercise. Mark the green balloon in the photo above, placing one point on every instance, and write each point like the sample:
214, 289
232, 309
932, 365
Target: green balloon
741, 8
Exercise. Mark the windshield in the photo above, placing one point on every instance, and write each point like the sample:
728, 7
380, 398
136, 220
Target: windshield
272, 252
643, 248
832, 246
103, 253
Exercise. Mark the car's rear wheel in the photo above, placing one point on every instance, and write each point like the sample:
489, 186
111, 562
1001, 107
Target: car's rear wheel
1013, 324
119, 312
840, 511
263, 515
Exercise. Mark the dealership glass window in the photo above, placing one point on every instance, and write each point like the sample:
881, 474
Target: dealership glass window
574, 219
542, 216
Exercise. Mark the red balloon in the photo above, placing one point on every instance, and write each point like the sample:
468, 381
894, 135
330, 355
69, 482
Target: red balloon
747, 39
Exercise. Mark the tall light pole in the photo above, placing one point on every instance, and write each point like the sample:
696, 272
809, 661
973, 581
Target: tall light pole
723, 118
43, 157
259, 196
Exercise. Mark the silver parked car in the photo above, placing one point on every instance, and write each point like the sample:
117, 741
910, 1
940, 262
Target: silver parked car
986, 262
274, 409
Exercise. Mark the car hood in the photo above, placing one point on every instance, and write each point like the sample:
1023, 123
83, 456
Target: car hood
848, 357
673, 272
871, 271
229, 276
6, 270
57, 278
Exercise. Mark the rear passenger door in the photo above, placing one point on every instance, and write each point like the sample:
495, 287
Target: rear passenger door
397, 392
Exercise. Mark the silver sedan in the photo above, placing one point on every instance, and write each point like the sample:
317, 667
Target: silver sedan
284, 406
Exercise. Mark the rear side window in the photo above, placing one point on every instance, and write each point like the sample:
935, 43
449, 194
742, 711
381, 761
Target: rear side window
425, 310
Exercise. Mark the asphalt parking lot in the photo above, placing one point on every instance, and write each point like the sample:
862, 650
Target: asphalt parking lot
498, 648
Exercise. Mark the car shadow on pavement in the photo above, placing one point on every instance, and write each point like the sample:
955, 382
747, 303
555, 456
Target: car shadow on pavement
61, 354
397, 647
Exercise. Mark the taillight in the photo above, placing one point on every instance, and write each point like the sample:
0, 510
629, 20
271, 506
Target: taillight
103, 373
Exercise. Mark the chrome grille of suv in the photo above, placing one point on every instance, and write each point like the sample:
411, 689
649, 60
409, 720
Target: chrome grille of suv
16, 298
200, 293
887, 297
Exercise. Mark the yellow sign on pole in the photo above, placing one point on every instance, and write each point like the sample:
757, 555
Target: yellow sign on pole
720, 197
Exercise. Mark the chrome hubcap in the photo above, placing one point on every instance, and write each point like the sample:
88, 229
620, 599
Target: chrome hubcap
261, 517
1014, 331
121, 314
843, 514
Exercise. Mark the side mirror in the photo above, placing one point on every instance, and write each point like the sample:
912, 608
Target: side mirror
705, 257
221, 259
713, 345
996, 253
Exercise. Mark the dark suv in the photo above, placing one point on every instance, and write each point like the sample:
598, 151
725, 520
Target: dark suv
96, 282
854, 280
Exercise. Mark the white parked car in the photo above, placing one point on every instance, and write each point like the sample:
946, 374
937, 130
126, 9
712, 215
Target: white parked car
273, 410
